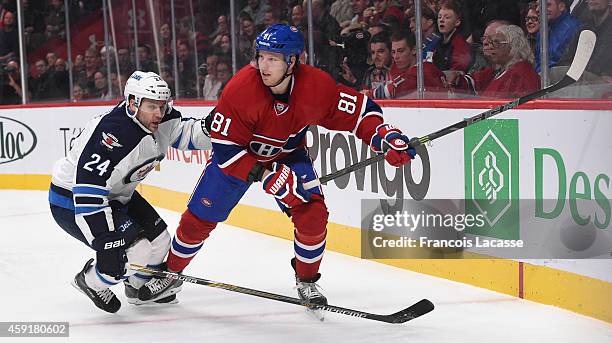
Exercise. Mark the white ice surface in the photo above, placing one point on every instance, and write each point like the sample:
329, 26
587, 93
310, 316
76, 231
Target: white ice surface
38, 260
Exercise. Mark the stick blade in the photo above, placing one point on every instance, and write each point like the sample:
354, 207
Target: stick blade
586, 44
420, 308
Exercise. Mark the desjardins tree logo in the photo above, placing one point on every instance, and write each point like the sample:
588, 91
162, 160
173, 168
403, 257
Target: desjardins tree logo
491, 154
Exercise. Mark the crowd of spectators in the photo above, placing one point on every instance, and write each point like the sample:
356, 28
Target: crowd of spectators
485, 48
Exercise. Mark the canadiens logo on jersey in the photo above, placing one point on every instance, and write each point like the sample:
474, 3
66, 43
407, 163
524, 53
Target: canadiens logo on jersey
110, 141
280, 107
266, 147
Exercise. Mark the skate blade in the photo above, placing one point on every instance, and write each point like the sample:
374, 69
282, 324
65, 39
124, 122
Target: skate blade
316, 314
138, 302
74, 284
165, 294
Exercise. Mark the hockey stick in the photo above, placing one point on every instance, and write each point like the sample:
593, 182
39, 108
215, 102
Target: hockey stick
586, 44
414, 311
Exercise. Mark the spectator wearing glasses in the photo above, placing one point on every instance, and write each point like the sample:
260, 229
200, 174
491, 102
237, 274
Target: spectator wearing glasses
532, 24
511, 75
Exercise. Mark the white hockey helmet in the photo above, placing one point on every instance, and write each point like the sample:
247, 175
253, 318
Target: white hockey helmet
146, 85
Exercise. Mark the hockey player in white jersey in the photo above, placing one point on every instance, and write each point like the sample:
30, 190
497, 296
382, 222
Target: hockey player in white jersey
93, 198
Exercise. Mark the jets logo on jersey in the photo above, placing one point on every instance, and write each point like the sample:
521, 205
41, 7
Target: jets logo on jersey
110, 141
280, 108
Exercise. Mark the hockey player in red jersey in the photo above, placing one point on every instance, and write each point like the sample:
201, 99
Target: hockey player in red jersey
258, 134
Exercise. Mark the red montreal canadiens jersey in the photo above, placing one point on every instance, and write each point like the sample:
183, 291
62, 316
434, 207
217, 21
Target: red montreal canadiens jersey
249, 125
404, 81
519, 79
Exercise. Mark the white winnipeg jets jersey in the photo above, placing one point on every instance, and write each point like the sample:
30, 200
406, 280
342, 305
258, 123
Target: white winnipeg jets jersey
109, 159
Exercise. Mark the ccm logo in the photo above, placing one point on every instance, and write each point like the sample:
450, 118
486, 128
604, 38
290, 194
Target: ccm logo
282, 179
115, 244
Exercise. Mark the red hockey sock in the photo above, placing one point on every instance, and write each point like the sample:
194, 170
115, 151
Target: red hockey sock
310, 221
189, 238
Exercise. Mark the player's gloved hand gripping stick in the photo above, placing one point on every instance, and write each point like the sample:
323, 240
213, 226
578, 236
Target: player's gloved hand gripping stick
283, 183
393, 144
586, 44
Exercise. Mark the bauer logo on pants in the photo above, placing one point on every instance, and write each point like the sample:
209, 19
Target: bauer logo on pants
492, 176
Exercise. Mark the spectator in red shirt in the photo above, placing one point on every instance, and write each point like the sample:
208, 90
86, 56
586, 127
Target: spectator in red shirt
512, 74
390, 12
453, 53
404, 71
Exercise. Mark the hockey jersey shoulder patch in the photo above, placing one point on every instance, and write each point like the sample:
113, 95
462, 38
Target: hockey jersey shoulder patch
110, 141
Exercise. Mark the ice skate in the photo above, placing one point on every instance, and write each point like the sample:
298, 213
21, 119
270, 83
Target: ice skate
105, 299
131, 294
159, 288
310, 293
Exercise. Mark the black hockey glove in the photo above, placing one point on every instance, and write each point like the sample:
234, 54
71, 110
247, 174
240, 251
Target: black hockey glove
206, 122
110, 246
110, 254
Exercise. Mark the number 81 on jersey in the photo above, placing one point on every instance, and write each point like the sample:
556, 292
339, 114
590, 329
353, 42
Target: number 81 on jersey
347, 103
220, 124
